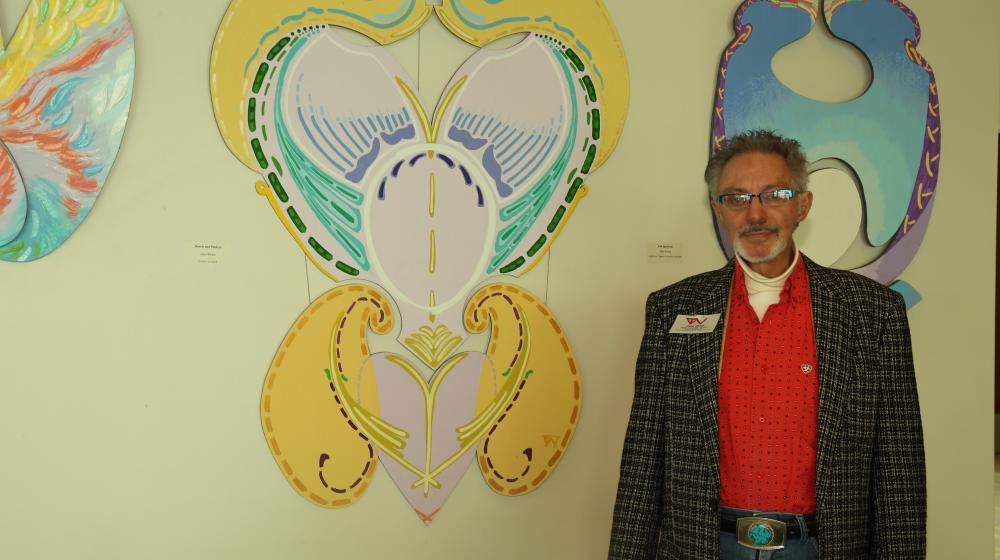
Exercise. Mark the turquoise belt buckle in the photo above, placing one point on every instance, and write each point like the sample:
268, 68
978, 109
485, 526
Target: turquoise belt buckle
761, 533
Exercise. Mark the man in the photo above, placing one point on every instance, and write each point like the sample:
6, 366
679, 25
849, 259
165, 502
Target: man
775, 411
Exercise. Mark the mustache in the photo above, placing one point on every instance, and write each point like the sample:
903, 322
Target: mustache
754, 228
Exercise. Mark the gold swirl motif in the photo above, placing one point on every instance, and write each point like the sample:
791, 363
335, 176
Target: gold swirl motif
433, 345
534, 388
325, 456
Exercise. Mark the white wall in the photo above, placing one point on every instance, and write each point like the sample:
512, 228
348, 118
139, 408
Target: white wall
132, 373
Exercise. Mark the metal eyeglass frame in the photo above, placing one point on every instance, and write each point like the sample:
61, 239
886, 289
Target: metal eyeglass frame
774, 197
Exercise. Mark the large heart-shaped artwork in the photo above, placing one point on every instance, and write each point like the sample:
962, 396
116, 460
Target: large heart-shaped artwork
419, 210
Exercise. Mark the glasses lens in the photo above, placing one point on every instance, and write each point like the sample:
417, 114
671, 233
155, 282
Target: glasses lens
737, 200
776, 198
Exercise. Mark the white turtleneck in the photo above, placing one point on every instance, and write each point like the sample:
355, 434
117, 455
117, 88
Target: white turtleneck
764, 292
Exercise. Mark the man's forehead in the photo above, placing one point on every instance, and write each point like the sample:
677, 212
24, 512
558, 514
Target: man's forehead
754, 170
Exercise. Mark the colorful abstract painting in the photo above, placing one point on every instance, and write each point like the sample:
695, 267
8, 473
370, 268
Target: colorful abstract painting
890, 136
418, 215
65, 91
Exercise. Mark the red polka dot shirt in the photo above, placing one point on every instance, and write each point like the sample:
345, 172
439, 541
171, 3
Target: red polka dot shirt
768, 399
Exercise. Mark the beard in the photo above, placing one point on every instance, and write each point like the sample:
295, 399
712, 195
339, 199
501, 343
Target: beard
779, 246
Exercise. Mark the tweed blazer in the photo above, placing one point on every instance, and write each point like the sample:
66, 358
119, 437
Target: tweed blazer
870, 484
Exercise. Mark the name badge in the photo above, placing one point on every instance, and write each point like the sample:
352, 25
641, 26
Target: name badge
695, 324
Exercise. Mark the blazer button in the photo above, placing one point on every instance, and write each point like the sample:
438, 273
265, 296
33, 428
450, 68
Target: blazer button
713, 503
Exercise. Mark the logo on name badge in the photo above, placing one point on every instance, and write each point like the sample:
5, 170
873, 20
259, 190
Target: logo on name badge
694, 324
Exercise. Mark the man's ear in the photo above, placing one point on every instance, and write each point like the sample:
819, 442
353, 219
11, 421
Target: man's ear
715, 208
805, 204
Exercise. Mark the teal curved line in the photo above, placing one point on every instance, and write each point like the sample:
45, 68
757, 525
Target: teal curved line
297, 17
405, 6
531, 205
597, 72
246, 67
389, 16
579, 43
268, 34
555, 24
464, 13
480, 22
407, 9
321, 192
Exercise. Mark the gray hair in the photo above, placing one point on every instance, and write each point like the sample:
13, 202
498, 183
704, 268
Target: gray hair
759, 141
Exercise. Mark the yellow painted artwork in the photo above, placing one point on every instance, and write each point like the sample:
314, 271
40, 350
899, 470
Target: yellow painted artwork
424, 218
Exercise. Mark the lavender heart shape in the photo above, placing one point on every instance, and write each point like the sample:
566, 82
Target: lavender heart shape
431, 463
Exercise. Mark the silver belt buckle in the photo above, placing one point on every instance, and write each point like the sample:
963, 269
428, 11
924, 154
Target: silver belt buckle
761, 533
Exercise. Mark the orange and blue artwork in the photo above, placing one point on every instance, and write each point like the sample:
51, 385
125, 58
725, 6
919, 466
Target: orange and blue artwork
423, 218
65, 91
889, 136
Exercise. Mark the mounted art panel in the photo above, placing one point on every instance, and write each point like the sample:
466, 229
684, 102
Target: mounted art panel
417, 215
890, 136
65, 91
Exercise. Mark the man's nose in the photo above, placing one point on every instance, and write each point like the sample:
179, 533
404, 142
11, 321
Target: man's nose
756, 212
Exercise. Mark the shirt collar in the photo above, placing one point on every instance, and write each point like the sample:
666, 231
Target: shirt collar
793, 280
763, 280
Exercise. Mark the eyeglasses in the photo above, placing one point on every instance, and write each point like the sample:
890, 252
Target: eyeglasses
776, 197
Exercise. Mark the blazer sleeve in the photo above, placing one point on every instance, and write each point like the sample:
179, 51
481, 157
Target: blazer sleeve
638, 507
900, 490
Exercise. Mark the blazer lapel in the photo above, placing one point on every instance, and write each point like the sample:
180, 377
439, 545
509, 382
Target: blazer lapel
832, 326
705, 351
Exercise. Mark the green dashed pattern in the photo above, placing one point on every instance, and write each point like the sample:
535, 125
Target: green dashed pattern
252, 114
279, 190
277, 47
320, 249
258, 80
296, 220
258, 152
554, 223
344, 267
590, 155
514, 265
537, 246
256, 111
572, 190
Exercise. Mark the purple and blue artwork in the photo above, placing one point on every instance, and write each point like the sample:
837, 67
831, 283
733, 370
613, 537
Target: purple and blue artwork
890, 136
